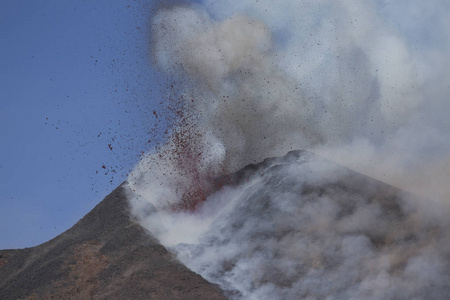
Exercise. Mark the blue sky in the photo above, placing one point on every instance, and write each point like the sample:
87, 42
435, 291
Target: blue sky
77, 93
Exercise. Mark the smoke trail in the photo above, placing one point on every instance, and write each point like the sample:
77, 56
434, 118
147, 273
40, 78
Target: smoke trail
363, 84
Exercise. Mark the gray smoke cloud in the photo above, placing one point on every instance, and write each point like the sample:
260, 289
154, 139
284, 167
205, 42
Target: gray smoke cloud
308, 230
304, 228
357, 82
362, 83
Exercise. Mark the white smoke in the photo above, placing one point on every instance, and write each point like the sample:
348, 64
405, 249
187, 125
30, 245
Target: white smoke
363, 83
304, 228
285, 238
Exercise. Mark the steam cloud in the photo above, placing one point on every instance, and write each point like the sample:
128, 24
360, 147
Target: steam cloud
363, 83
281, 237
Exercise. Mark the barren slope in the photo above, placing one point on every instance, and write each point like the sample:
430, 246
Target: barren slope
103, 256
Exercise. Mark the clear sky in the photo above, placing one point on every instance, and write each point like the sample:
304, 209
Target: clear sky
77, 93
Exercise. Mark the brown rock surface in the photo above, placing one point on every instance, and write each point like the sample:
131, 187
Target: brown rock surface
103, 256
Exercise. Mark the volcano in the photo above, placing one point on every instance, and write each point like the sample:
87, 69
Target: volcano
292, 227
302, 227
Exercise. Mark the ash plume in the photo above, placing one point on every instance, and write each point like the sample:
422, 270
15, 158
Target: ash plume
332, 77
362, 83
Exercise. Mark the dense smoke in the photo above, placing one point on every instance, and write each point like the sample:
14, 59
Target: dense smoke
306, 229
300, 227
363, 83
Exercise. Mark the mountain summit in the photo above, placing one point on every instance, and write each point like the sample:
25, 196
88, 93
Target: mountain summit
302, 227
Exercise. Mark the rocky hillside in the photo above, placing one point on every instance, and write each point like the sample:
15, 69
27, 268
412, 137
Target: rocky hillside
103, 256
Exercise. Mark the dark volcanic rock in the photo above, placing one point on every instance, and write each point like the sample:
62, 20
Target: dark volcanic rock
103, 256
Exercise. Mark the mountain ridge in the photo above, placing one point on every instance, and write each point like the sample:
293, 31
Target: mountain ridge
105, 255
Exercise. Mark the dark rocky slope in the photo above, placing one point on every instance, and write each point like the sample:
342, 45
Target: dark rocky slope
103, 256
